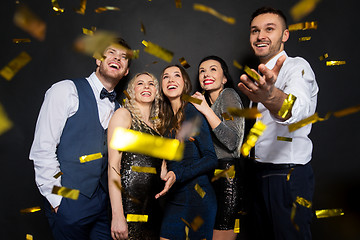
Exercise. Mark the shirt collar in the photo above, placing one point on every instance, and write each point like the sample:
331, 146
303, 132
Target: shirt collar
271, 64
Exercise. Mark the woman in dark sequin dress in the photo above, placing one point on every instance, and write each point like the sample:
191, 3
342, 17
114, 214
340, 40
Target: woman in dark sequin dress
138, 189
227, 136
185, 201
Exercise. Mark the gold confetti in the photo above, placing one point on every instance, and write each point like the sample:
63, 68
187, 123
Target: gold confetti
66, 192
286, 139
91, 157
9, 71
142, 28
188, 98
184, 63
289, 174
312, 119
187, 233
56, 7
5, 123
29, 237
87, 31
347, 111
117, 172
30, 210
304, 39
58, 175
203, 8
158, 51
127, 94
292, 216
21, 40
133, 141
323, 56
255, 132
143, 169
106, 8
196, 223
82, 8
303, 202
302, 9
303, 26
136, 218
227, 117
251, 73
237, 226
238, 65
228, 173
178, 4
25, 19
199, 190
325, 213
250, 113
335, 63
287, 106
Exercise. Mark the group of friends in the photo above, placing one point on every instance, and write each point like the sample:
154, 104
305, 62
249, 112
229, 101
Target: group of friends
79, 116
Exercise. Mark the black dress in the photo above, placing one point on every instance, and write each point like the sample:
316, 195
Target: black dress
139, 190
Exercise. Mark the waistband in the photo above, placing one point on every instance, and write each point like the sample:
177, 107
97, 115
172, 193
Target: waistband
272, 166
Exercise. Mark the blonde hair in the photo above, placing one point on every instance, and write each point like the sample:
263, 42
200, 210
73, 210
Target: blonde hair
135, 111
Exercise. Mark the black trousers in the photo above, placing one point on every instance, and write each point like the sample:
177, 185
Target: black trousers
282, 197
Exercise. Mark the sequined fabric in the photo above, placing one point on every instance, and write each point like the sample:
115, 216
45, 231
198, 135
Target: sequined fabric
142, 187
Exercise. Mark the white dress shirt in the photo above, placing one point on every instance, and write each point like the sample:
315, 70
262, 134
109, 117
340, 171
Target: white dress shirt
61, 102
295, 77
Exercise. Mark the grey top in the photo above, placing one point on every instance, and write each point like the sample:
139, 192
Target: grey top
229, 134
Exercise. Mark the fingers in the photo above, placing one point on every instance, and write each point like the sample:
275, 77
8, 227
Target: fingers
247, 83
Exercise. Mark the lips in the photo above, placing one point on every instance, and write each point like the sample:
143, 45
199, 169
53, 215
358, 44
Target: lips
261, 44
208, 81
145, 93
171, 87
114, 65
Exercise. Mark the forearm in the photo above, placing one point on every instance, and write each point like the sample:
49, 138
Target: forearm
275, 102
211, 118
115, 193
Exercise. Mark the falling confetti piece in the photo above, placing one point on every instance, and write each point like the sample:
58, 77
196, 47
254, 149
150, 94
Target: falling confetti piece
199, 190
227, 117
303, 202
303, 26
289, 174
196, 223
335, 63
188, 98
312, 119
302, 9
304, 39
127, 94
250, 113
136, 218
158, 51
228, 173
133, 141
255, 132
143, 169
184, 63
238, 65
292, 217
87, 31
325, 213
9, 71
58, 175
347, 111
56, 7
106, 8
286, 139
91, 157
5, 123
203, 8
178, 4
237, 226
25, 19
21, 40
251, 73
30, 210
323, 56
142, 28
66, 192
287, 106
29, 237
82, 8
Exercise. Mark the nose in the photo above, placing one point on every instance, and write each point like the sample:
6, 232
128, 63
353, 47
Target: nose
261, 35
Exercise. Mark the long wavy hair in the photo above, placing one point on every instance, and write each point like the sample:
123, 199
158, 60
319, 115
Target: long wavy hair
169, 121
131, 104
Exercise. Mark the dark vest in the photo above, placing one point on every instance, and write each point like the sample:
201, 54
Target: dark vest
82, 135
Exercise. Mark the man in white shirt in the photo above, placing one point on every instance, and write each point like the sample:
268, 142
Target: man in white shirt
283, 171
72, 123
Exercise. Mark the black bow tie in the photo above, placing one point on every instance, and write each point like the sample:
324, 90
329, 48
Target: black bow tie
104, 93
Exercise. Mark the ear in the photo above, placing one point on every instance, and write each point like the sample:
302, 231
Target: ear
98, 62
224, 80
286, 35
127, 71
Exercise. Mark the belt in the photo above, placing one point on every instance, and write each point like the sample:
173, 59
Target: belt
272, 166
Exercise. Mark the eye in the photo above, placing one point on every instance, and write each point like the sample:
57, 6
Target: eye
177, 75
253, 31
201, 70
213, 69
269, 29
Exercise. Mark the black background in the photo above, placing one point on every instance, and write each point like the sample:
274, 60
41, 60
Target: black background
193, 35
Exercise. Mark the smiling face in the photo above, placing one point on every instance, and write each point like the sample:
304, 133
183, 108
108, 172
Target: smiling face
172, 83
211, 75
267, 36
114, 66
144, 89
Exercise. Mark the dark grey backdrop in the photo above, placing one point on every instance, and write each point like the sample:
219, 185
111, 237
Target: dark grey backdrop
193, 35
